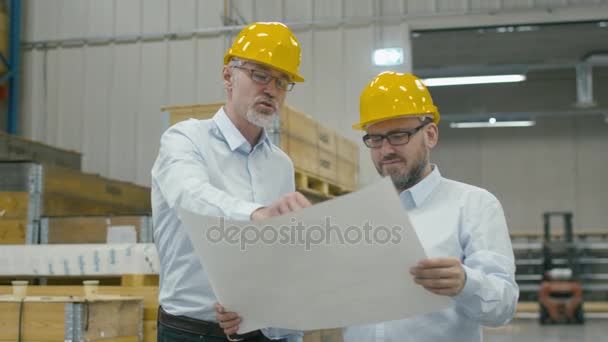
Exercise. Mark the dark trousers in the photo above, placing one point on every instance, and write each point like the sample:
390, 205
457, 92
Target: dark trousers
169, 334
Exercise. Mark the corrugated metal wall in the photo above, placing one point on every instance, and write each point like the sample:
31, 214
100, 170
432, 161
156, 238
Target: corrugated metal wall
103, 99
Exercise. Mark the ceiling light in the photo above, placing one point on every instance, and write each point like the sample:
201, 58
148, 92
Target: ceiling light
388, 56
492, 122
464, 80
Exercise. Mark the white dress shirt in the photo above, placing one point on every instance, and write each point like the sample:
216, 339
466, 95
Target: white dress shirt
464, 221
208, 167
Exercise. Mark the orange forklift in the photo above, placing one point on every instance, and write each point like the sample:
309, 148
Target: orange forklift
561, 293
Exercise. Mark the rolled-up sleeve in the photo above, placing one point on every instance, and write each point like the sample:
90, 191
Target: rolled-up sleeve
277, 334
490, 293
180, 172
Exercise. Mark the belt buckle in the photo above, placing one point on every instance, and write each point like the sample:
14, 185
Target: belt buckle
234, 339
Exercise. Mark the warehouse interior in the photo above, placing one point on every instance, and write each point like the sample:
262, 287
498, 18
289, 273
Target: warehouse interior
90, 86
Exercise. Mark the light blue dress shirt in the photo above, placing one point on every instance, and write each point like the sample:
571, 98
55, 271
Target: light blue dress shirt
464, 221
208, 167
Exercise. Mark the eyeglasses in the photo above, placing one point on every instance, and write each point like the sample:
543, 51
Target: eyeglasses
263, 77
393, 138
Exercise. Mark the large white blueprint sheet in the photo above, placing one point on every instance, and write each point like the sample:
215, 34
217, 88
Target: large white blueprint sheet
338, 263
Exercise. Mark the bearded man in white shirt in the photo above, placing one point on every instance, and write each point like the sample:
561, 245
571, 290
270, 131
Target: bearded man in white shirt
462, 227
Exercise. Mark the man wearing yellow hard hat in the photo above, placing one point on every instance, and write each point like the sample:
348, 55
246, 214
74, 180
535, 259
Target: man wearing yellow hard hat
462, 227
226, 167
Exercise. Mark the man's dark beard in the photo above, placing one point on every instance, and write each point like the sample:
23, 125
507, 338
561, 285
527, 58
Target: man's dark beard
407, 181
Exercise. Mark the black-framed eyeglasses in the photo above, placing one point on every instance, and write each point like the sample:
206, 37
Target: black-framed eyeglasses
393, 138
262, 77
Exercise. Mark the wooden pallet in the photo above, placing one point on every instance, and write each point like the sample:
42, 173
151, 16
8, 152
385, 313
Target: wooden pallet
29, 191
121, 280
49, 317
148, 293
150, 300
317, 186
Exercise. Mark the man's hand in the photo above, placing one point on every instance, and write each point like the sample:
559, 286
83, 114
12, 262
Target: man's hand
442, 276
286, 204
229, 321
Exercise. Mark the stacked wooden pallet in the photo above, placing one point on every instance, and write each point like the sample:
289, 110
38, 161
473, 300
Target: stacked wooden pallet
30, 191
149, 295
46, 199
326, 163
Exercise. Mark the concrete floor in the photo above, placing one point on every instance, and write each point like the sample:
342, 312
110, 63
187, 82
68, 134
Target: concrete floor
523, 330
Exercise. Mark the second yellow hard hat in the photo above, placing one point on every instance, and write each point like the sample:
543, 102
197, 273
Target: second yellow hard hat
391, 95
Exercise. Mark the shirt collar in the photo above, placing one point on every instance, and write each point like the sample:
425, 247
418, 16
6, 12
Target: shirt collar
417, 194
233, 136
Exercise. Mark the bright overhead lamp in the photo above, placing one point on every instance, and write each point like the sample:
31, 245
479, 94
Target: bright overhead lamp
388, 56
492, 122
464, 80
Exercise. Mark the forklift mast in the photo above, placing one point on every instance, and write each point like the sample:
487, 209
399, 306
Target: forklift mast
565, 247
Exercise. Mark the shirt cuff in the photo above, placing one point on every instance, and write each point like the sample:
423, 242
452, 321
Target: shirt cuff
244, 211
278, 333
472, 284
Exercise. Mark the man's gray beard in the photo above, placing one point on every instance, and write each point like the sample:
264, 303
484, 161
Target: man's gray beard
259, 119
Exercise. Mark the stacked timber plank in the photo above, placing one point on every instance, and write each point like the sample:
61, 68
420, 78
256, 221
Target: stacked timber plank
14, 148
46, 199
326, 163
30, 191
70, 318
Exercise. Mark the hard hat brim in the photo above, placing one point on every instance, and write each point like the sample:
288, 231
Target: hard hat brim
362, 126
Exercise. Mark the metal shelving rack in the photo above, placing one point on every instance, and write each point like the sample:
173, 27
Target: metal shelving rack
11, 62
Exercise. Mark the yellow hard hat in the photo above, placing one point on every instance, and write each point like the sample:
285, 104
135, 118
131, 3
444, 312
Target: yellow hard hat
391, 95
272, 44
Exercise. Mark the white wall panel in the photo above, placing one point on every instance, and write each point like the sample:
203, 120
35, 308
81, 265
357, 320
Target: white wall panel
417, 7
530, 175
243, 10
591, 160
123, 111
458, 154
302, 94
43, 19
327, 9
128, 17
397, 35
477, 5
182, 72
516, 4
51, 99
298, 11
549, 3
358, 47
210, 13
182, 15
392, 7
359, 8
455, 6
328, 89
100, 18
209, 64
70, 106
32, 95
155, 16
268, 10
153, 95
73, 18
96, 133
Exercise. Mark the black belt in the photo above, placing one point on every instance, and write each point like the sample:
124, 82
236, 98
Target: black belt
198, 327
